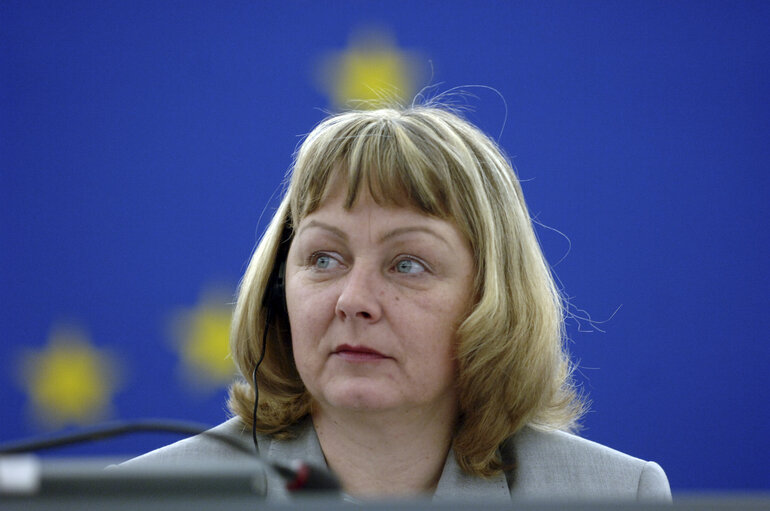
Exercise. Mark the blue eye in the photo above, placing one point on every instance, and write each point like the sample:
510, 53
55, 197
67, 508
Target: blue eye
323, 261
409, 266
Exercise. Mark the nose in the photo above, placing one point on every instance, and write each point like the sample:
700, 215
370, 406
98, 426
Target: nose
360, 296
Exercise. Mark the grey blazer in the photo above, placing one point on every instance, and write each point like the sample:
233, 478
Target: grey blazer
548, 466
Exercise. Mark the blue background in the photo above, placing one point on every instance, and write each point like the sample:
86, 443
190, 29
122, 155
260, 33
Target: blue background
141, 141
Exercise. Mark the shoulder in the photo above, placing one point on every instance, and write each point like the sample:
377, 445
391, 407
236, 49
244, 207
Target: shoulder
556, 464
198, 447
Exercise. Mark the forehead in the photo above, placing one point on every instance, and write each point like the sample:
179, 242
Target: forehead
334, 205
397, 161
364, 189
371, 221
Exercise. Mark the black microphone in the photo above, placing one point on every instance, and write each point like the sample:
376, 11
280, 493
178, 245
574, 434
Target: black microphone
304, 477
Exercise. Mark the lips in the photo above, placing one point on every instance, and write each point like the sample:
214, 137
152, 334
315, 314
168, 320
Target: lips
358, 353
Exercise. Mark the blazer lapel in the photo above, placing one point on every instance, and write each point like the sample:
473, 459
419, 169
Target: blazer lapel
305, 447
456, 485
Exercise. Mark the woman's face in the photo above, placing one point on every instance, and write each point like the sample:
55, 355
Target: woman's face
375, 296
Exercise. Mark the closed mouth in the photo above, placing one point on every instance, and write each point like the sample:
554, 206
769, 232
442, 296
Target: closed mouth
358, 352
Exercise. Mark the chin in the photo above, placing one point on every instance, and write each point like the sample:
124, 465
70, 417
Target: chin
361, 398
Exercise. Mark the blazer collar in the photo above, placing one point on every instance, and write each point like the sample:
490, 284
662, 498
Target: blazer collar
304, 447
453, 485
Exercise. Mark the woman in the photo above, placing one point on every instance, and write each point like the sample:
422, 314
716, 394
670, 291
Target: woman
413, 333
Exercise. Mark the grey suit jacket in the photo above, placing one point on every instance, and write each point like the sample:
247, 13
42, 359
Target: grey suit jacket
549, 465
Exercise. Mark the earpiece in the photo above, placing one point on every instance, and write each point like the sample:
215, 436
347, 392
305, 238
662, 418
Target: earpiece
274, 300
274, 303
275, 295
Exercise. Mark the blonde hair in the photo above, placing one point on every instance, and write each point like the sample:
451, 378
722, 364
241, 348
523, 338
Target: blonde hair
513, 368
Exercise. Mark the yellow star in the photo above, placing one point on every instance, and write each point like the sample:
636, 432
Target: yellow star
69, 381
202, 337
372, 72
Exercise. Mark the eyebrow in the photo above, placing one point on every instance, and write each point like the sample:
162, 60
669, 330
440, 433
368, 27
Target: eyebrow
320, 225
385, 237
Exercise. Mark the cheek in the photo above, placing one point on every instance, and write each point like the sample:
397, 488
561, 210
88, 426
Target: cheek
439, 321
430, 327
443, 311
304, 340
310, 312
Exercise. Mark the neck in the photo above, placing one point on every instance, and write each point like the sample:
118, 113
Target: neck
377, 454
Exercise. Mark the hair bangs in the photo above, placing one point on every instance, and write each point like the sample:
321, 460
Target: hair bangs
377, 155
